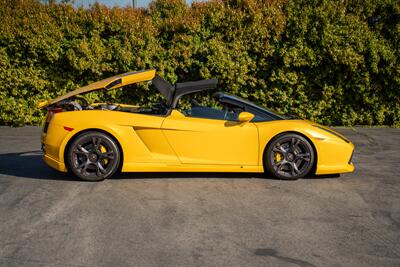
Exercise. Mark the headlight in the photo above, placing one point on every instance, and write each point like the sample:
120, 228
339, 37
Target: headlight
332, 132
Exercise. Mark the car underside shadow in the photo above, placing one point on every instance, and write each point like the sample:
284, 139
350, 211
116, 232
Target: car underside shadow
160, 175
30, 165
323, 176
221, 175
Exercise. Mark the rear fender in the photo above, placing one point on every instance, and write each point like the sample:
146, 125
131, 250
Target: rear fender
75, 132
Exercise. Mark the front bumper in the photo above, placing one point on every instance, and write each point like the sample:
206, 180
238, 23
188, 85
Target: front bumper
335, 156
334, 169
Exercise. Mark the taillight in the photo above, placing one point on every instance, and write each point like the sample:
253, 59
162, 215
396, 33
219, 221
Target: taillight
50, 115
68, 128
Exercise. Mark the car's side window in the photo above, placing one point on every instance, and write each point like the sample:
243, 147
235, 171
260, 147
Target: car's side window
204, 106
233, 112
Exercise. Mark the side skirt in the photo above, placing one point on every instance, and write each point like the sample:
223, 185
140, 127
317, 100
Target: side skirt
160, 167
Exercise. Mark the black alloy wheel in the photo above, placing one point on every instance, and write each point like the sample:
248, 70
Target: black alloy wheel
289, 157
93, 156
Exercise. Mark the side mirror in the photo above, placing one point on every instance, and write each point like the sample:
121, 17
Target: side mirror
245, 116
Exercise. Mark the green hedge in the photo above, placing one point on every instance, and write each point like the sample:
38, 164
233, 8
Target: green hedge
335, 62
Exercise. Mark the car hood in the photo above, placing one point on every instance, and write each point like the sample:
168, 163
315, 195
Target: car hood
326, 129
109, 83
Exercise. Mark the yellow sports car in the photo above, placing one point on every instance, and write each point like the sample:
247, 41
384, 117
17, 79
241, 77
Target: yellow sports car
230, 134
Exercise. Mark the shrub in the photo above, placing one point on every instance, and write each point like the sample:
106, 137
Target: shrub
335, 62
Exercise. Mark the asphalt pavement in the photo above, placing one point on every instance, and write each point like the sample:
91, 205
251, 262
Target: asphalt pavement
49, 218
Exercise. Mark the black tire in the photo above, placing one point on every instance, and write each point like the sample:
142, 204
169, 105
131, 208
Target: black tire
289, 156
93, 156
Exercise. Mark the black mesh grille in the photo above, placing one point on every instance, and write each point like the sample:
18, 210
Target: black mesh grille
46, 127
351, 157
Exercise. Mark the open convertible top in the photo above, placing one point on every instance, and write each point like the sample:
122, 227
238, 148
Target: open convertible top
109, 83
172, 93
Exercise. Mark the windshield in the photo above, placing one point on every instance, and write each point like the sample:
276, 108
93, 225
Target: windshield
261, 113
275, 113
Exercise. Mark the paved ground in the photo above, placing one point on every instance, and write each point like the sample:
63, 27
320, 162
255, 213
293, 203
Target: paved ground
50, 219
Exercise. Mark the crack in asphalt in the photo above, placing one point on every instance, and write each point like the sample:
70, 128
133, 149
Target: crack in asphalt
273, 253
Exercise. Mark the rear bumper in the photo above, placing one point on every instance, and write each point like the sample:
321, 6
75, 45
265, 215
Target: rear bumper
51, 146
55, 164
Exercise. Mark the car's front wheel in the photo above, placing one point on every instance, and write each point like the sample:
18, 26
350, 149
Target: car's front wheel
289, 156
93, 156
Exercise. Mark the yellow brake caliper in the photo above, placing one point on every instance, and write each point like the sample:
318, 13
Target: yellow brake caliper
103, 150
277, 157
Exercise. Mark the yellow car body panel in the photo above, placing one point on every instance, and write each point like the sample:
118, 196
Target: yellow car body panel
212, 142
175, 142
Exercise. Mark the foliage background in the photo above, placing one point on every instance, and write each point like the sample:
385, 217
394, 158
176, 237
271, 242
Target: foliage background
335, 62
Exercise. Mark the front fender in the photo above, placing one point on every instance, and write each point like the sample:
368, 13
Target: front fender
333, 153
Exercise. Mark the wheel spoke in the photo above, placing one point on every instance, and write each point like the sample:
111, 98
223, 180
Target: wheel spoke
98, 172
294, 142
278, 148
83, 167
278, 165
101, 168
281, 167
96, 143
304, 156
108, 155
295, 170
80, 150
289, 172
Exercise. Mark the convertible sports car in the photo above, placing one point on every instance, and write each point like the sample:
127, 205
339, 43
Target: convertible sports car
93, 141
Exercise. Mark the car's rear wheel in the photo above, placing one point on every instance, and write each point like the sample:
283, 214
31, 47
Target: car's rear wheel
289, 156
93, 156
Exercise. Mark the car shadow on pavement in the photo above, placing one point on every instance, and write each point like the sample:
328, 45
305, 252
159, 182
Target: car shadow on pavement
160, 175
31, 165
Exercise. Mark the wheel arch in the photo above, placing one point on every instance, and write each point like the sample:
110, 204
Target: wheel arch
73, 137
315, 163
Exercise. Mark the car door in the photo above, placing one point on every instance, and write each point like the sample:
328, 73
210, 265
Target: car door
211, 141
